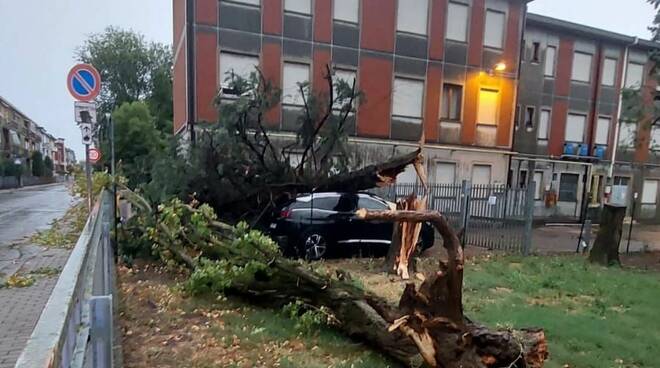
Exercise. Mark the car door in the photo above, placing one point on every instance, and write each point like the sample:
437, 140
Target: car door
347, 229
374, 233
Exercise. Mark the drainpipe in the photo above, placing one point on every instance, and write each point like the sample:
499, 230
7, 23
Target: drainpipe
617, 126
515, 106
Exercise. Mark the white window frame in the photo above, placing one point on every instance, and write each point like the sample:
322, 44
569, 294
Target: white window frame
544, 126
408, 18
568, 135
298, 6
549, 64
650, 194
632, 67
574, 70
402, 85
602, 135
290, 93
609, 66
347, 11
497, 41
455, 36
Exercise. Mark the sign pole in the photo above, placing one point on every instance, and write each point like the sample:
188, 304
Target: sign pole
88, 173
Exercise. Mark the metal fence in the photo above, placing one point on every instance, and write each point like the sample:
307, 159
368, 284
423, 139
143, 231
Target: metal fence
492, 216
76, 326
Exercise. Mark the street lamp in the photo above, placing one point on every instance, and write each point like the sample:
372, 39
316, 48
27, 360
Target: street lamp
500, 67
108, 118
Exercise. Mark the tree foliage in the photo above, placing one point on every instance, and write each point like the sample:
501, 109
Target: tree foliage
137, 141
38, 168
237, 159
48, 166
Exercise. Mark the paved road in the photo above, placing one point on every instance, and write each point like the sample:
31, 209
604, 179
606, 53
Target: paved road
23, 212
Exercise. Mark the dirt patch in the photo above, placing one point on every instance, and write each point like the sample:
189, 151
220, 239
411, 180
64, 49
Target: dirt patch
649, 261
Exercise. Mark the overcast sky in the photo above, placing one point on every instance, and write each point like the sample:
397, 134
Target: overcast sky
38, 39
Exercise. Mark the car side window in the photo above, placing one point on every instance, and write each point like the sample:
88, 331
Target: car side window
347, 203
325, 203
371, 204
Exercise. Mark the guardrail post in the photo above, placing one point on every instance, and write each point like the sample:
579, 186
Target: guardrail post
101, 331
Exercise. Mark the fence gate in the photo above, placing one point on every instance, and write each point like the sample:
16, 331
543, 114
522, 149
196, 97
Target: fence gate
493, 216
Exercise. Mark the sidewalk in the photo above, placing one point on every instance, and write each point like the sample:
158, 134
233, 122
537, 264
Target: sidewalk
564, 238
11, 190
20, 308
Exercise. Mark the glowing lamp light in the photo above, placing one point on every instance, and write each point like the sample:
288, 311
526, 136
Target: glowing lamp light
499, 67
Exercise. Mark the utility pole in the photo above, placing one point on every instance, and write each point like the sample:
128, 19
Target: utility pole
108, 117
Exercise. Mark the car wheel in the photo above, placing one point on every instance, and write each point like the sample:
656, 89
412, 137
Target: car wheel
314, 246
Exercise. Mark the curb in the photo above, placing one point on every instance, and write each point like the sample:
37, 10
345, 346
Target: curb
12, 190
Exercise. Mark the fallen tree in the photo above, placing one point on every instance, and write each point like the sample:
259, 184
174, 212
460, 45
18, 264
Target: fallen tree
428, 324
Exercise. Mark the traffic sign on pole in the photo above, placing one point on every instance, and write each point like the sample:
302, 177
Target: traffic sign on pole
84, 112
94, 155
83, 82
86, 132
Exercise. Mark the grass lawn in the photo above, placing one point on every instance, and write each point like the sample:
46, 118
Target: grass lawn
593, 316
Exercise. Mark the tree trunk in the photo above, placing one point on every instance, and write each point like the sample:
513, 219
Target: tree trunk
606, 247
432, 317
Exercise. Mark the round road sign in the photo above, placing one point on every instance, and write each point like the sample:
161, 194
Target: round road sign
94, 155
83, 82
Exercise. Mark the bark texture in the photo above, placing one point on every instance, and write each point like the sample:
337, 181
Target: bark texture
606, 247
432, 316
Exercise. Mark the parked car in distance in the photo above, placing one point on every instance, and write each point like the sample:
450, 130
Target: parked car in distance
314, 226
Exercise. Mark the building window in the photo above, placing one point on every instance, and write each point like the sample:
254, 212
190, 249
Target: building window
634, 76
650, 192
407, 99
522, 179
654, 142
481, 174
412, 16
445, 173
494, 32
568, 187
488, 106
236, 65
575, 128
538, 185
602, 130
347, 10
581, 67
609, 72
529, 117
348, 76
627, 135
536, 49
550, 57
457, 22
544, 124
293, 75
516, 118
298, 6
452, 100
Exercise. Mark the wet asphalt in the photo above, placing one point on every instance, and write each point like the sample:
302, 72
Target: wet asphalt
27, 210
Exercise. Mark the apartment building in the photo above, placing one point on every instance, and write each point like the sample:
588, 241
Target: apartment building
566, 130
444, 68
20, 136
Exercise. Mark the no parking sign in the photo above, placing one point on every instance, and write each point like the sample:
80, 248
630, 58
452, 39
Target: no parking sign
84, 82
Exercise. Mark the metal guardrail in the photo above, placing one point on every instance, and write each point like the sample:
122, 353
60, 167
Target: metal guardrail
76, 326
